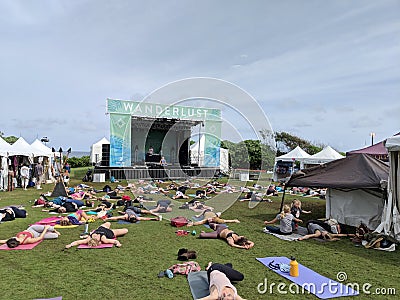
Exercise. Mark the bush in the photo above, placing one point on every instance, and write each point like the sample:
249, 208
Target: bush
78, 162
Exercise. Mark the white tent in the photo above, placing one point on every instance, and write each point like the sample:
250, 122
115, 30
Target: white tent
4, 147
284, 164
197, 155
40, 149
96, 151
21, 147
325, 155
390, 221
296, 154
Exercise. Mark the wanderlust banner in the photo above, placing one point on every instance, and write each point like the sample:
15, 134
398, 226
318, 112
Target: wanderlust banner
121, 112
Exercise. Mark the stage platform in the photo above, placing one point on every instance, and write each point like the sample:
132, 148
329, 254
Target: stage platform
156, 172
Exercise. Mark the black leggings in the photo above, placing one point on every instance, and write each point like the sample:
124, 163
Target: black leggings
227, 269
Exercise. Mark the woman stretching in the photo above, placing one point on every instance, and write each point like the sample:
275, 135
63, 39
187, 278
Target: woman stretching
219, 280
221, 231
33, 234
132, 214
103, 234
285, 219
76, 218
211, 217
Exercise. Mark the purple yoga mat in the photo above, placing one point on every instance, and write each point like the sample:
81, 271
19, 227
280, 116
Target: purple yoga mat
20, 247
311, 281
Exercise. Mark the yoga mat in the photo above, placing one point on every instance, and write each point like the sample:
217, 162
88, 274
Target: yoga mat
20, 247
68, 226
48, 221
126, 222
198, 283
101, 246
301, 231
311, 281
56, 298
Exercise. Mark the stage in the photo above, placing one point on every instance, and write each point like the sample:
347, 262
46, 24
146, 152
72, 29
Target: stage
156, 172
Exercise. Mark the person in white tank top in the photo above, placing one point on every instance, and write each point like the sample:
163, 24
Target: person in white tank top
220, 285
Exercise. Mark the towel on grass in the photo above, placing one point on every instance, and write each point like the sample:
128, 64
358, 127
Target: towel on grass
198, 283
21, 247
301, 231
101, 246
311, 281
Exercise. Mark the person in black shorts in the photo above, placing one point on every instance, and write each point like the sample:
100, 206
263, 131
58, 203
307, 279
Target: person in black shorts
103, 234
133, 214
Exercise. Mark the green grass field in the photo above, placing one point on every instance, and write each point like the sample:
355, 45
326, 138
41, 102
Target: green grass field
130, 272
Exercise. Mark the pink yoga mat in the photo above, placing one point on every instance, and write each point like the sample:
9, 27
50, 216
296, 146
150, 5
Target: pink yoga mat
20, 247
48, 221
84, 246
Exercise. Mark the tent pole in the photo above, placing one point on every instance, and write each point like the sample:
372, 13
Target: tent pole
283, 198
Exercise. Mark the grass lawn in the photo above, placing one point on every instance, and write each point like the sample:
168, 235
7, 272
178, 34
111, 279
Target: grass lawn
130, 272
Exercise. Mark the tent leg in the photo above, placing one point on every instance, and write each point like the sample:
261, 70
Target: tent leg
283, 198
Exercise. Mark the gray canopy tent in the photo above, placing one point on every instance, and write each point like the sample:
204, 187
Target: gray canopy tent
356, 188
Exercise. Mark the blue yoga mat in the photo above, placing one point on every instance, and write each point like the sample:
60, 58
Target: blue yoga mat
311, 281
198, 283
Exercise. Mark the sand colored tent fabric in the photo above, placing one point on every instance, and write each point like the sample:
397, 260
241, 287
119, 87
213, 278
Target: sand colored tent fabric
355, 188
325, 155
96, 151
390, 221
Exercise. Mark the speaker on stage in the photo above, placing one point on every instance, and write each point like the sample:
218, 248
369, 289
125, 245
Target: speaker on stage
105, 155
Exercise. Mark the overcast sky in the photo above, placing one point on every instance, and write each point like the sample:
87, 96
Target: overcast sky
326, 71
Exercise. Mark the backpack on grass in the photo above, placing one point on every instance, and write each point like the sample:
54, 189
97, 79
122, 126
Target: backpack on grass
179, 221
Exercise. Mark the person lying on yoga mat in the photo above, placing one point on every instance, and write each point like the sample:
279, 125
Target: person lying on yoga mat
10, 213
75, 218
221, 231
211, 217
285, 219
163, 206
132, 214
33, 234
220, 277
103, 234
323, 230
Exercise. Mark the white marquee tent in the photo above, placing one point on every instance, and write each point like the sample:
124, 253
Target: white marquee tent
390, 221
4, 147
297, 154
96, 151
21, 147
40, 149
197, 157
325, 155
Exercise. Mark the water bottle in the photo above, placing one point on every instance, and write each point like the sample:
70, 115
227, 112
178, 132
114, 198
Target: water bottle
294, 267
86, 227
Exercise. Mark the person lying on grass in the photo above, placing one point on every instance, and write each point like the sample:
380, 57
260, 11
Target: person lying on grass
317, 230
219, 280
132, 214
33, 234
221, 231
76, 218
211, 217
285, 219
163, 206
10, 213
103, 234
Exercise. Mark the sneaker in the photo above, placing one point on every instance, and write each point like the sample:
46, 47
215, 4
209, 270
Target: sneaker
266, 230
169, 274
159, 217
